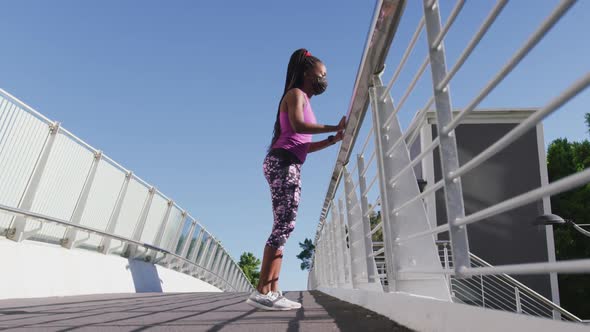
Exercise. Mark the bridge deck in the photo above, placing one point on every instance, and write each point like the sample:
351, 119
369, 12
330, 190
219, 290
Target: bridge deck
186, 312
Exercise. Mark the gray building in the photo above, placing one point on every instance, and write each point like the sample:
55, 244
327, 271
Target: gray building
510, 237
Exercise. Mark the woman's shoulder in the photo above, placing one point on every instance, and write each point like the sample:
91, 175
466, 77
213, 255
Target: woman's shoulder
296, 96
295, 92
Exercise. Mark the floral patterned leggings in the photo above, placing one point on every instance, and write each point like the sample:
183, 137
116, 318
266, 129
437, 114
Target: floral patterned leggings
284, 177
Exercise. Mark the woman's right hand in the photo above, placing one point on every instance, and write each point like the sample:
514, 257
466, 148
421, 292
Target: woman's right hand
341, 124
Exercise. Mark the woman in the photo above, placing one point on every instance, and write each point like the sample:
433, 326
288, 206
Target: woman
291, 142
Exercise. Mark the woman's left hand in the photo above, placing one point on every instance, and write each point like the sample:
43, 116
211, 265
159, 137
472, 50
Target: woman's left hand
339, 136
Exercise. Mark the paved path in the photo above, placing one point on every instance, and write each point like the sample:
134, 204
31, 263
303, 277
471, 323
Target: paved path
186, 312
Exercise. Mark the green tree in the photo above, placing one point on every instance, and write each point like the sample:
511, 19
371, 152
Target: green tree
249, 265
374, 220
565, 158
307, 250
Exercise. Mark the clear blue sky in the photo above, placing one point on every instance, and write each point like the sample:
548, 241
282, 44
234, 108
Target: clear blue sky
184, 93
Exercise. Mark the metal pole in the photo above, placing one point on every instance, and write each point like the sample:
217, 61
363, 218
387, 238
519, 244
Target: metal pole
174, 243
338, 246
188, 239
337, 249
447, 266
366, 220
357, 241
163, 224
331, 259
193, 254
220, 266
320, 264
341, 228
106, 242
17, 231
138, 231
398, 185
483, 295
448, 145
380, 112
70, 234
212, 255
201, 259
518, 305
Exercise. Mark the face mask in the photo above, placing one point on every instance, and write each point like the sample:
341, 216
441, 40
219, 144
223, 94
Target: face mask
319, 85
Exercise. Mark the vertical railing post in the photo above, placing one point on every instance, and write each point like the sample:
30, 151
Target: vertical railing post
320, 263
380, 114
138, 231
517, 298
17, 231
69, 238
234, 275
163, 224
236, 278
219, 268
358, 257
483, 293
225, 270
174, 245
105, 244
188, 239
215, 267
341, 236
317, 261
211, 260
337, 247
176, 239
447, 266
161, 230
201, 259
393, 157
326, 258
372, 277
204, 252
193, 254
224, 275
333, 277
448, 145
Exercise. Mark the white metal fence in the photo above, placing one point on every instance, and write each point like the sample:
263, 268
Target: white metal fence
376, 196
499, 291
58, 189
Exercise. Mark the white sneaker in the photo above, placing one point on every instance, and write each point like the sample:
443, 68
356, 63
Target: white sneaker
267, 301
292, 304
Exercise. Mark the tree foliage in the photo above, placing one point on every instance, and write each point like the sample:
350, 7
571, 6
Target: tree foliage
565, 158
307, 250
375, 219
250, 266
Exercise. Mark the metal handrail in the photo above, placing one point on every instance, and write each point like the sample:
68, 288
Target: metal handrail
477, 261
44, 218
407, 210
530, 292
19, 106
379, 39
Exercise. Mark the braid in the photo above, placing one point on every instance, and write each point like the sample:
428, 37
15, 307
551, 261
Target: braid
300, 61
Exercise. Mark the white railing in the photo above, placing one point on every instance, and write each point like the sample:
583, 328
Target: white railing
501, 291
58, 189
382, 178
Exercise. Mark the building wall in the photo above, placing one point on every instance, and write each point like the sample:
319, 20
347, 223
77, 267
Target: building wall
510, 237
35, 269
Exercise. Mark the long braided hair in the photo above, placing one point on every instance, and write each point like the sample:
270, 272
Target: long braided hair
301, 61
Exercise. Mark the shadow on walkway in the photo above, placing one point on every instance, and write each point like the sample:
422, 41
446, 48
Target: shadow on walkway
351, 317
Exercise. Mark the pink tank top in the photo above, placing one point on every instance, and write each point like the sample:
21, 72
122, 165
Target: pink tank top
296, 143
